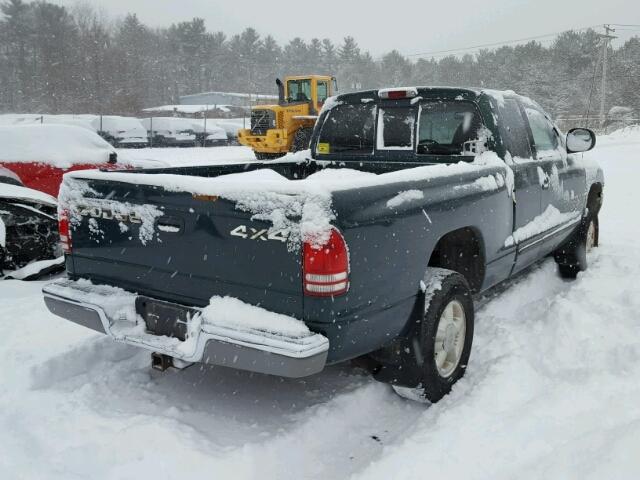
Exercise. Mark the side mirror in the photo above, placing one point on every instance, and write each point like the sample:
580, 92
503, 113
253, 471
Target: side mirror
580, 140
113, 158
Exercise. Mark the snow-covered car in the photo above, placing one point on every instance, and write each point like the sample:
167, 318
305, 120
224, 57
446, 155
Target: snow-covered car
170, 132
209, 134
28, 224
121, 132
39, 155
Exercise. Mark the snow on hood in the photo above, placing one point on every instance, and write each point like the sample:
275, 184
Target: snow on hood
58, 145
16, 192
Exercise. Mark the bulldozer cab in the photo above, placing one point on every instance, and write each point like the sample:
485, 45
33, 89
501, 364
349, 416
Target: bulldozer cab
313, 89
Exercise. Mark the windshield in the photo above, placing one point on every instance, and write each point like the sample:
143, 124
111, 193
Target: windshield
348, 128
445, 126
299, 90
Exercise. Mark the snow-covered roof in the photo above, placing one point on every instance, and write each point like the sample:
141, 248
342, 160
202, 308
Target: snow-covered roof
189, 109
37, 119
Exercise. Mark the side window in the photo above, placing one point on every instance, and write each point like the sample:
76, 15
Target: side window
322, 92
396, 127
514, 130
545, 137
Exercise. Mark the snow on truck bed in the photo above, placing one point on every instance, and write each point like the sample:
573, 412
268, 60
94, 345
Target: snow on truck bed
272, 197
551, 390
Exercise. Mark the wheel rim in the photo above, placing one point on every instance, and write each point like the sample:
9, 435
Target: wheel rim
450, 338
591, 236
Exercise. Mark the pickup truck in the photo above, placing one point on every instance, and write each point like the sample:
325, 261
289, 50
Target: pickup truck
373, 245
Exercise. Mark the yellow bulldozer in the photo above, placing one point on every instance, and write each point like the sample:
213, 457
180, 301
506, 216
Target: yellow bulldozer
287, 127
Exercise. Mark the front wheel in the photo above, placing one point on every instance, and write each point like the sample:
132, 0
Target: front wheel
301, 139
440, 345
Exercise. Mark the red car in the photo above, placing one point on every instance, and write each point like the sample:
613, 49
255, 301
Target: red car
41, 154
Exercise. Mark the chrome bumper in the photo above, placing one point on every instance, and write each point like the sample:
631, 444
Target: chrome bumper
112, 311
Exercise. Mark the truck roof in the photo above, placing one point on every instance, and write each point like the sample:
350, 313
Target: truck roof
466, 93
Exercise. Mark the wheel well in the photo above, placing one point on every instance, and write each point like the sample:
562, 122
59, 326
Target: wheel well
594, 199
462, 251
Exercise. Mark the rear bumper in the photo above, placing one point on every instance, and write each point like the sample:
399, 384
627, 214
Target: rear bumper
112, 311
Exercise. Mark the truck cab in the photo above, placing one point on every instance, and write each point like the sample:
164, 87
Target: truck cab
287, 126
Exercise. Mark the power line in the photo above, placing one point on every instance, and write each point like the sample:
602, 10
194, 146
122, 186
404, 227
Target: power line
497, 44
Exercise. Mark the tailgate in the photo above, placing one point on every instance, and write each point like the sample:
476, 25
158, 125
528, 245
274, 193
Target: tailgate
180, 247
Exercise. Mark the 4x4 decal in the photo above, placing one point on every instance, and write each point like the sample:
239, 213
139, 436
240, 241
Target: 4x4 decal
263, 234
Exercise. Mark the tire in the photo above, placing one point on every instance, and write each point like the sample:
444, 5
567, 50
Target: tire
439, 345
301, 139
268, 156
572, 256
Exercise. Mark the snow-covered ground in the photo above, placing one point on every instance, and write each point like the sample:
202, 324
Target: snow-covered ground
552, 391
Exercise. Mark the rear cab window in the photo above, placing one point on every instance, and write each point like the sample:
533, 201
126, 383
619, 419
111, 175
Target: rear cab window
414, 130
348, 128
447, 127
396, 128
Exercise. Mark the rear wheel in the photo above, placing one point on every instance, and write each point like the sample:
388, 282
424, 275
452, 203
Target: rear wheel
435, 352
268, 156
301, 139
572, 257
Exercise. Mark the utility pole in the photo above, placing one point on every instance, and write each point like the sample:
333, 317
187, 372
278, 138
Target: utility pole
607, 37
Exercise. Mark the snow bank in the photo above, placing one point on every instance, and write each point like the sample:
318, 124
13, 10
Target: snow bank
58, 145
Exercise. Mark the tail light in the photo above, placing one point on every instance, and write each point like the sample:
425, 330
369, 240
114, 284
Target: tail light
397, 93
326, 269
64, 230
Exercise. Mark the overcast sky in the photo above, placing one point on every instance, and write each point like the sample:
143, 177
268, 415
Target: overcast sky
410, 26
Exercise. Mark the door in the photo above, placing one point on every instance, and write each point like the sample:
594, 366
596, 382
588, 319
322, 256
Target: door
559, 183
528, 190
